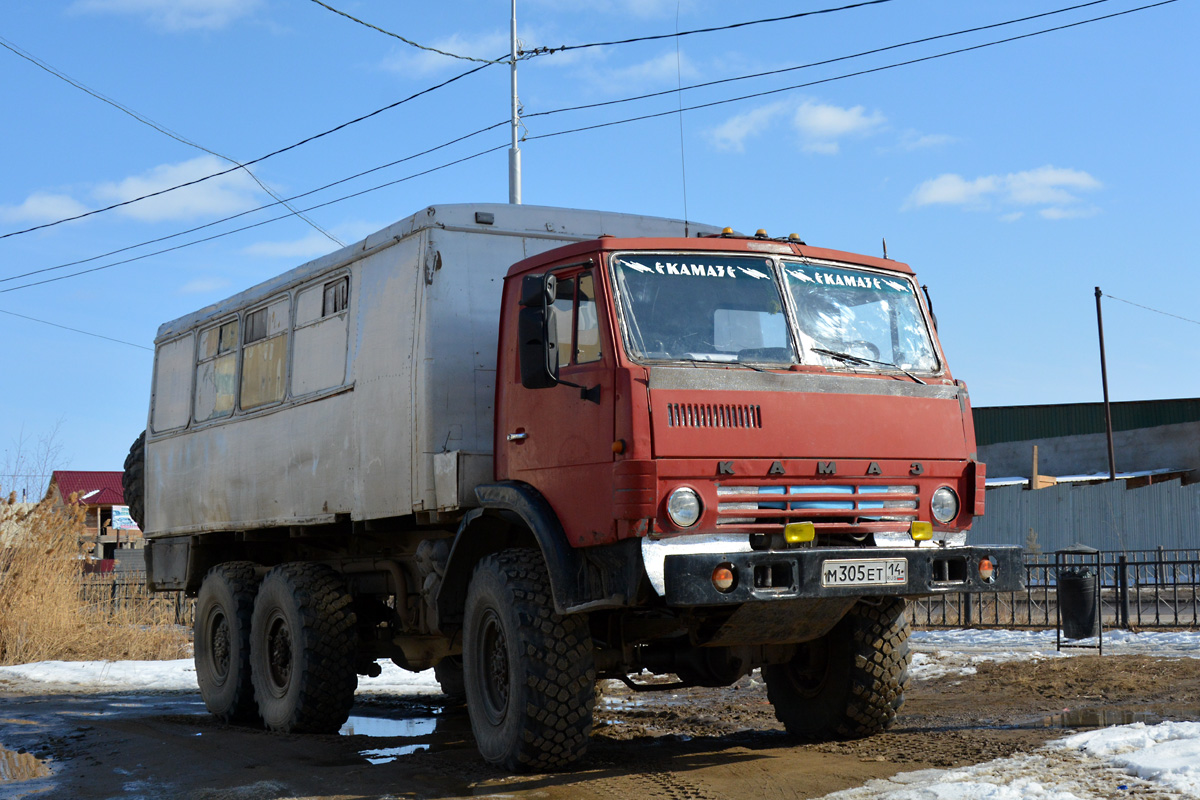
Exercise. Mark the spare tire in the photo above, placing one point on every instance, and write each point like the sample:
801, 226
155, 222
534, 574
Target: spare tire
133, 480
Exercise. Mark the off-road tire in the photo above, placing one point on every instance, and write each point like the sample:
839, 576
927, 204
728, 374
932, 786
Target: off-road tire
449, 674
222, 641
302, 649
133, 480
849, 683
530, 673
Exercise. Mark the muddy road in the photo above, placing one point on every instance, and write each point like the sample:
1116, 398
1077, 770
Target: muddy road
691, 745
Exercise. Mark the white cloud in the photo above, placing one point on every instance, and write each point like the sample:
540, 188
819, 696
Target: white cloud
1049, 185
822, 148
1069, 213
43, 207
820, 122
1055, 188
229, 193
174, 15
664, 68
312, 245
1012, 217
203, 286
405, 59
638, 8
914, 140
733, 132
953, 189
820, 126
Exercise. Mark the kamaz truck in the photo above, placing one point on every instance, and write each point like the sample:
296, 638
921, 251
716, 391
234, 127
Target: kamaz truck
532, 448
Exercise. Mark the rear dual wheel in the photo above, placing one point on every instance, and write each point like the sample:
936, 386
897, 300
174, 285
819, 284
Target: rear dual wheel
302, 649
222, 640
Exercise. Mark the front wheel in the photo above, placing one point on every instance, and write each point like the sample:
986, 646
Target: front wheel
302, 649
849, 683
222, 640
529, 672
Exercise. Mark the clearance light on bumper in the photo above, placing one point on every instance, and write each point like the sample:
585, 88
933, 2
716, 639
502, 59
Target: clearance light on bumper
922, 531
799, 532
987, 569
723, 578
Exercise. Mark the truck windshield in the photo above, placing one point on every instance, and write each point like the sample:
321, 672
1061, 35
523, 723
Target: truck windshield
859, 313
703, 308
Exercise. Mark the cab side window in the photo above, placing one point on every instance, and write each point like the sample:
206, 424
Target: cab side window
575, 317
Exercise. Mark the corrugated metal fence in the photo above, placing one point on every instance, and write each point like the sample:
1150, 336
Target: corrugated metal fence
1106, 516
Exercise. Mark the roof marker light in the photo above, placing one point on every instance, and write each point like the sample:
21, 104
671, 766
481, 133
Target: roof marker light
761, 233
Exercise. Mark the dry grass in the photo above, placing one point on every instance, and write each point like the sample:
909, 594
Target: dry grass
49, 610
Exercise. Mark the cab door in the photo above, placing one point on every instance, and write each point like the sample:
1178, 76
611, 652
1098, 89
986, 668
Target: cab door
560, 439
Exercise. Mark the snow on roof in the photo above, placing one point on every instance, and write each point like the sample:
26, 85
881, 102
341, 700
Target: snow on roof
1094, 477
91, 488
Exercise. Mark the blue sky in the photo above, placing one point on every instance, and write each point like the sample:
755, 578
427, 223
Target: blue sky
1013, 178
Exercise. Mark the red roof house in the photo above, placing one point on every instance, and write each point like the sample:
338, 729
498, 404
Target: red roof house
98, 492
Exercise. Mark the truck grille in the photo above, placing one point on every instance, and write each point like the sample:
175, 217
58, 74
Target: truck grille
770, 507
710, 415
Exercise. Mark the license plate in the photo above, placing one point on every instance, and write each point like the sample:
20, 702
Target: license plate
865, 572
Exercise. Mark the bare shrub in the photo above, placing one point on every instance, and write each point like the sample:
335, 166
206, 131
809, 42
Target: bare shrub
46, 610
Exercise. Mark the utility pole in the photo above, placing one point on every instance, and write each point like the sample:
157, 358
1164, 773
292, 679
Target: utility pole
1112, 464
514, 152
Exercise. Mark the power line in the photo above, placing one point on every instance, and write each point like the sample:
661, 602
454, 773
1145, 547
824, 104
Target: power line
76, 330
549, 135
252, 210
793, 87
1155, 310
253, 161
558, 111
548, 50
142, 118
409, 42
809, 65
257, 224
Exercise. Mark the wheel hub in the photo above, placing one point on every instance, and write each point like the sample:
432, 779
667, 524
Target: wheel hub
494, 673
220, 648
279, 655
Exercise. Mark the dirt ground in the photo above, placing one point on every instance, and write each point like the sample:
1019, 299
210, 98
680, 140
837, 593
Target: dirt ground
691, 745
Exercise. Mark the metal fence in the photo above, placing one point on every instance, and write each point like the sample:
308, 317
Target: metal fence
1138, 589
126, 591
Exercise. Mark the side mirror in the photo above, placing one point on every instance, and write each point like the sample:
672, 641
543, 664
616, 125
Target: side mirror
537, 338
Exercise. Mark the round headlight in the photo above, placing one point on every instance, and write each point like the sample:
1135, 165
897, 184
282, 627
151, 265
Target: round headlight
944, 505
683, 506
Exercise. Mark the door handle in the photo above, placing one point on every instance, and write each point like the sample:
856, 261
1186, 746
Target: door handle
517, 437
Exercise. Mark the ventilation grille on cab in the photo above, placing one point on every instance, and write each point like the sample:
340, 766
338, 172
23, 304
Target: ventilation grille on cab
707, 415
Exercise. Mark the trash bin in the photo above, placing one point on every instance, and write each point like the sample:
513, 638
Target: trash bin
1077, 602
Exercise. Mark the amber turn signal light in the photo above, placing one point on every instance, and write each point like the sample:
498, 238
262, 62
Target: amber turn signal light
922, 531
723, 578
987, 569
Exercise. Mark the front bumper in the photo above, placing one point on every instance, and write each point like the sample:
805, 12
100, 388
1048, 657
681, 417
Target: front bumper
797, 574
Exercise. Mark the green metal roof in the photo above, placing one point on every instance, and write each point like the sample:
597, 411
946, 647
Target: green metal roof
1023, 423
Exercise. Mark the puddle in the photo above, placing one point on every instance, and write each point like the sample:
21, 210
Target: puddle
384, 727
1100, 718
20, 767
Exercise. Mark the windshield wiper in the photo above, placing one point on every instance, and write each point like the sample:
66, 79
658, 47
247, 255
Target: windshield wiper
852, 359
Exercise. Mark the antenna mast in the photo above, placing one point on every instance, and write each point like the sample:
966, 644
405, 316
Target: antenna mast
514, 152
